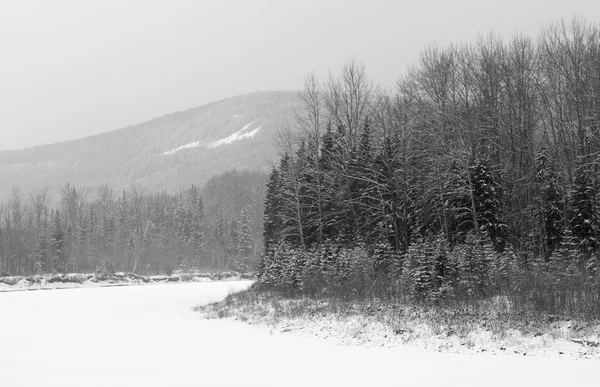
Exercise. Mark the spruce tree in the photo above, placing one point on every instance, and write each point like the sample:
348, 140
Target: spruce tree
245, 240
457, 204
394, 223
271, 219
362, 188
488, 203
551, 212
328, 167
583, 217
57, 245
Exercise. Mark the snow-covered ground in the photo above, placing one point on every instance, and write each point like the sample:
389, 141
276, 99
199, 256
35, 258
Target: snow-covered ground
149, 336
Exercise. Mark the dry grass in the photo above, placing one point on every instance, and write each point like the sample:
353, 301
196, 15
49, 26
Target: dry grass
487, 326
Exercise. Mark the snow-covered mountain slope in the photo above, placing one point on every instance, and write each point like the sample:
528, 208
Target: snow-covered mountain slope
166, 153
244, 133
239, 135
191, 145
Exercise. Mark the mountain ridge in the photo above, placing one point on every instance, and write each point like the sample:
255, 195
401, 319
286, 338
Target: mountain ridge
139, 154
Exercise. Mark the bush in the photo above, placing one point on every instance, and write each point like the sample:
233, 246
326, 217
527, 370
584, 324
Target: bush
431, 272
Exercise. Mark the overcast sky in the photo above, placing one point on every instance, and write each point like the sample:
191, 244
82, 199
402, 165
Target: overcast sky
69, 69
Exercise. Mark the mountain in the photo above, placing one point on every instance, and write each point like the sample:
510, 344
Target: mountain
166, 153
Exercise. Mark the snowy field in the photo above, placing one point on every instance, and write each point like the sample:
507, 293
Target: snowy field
149, 336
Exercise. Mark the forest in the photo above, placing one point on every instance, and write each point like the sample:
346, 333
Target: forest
82, 230
475, 176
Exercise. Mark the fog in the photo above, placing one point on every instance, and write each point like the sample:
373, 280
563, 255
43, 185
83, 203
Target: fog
72, 68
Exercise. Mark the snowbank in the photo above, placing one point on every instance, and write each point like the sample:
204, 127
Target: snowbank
74, 280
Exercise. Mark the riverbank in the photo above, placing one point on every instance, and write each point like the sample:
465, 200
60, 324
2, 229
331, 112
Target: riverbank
76, 280
486, 327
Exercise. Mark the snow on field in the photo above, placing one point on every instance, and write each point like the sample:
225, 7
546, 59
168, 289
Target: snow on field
149, 336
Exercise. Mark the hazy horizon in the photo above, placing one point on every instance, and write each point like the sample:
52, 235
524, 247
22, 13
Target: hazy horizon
73, 69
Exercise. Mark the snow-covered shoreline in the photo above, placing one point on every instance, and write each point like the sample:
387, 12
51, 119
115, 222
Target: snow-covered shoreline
376, 324
87, 280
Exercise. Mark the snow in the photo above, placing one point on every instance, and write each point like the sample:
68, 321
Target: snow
191, 145
239, 135
78, 280
149, 336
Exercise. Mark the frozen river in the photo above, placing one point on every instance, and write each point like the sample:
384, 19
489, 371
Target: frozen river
149, 336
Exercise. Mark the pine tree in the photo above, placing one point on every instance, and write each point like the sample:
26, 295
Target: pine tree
488, 203
393, 223
272, 222
57, 245
565, 264
233, 242
198, 226
473, 259
42, 257
422, 272
362, 188
583, 217
329, 163
245, 241
551, 212
384, 257
457, 204
221, 243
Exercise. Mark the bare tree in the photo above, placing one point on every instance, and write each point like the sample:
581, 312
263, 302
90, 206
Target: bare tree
38, 197
348, 100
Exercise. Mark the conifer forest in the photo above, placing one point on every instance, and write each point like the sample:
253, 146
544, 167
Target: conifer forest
476, 176
83, 230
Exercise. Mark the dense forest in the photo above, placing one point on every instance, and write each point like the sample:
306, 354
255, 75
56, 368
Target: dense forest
82, 230
477, 175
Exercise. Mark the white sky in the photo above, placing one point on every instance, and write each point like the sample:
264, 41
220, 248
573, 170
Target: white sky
69, 69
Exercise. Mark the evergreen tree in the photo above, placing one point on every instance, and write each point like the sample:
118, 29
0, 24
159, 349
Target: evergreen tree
329, 163
245, 241
362, 188
473, 259
393, 223
42, 262
57, 245
198, 226
272, 222
233, 240
551, 212
488, 203
457, 204
417, 272
583, 217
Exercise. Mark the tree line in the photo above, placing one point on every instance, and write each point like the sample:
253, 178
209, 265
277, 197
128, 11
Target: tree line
133, 231
476, 175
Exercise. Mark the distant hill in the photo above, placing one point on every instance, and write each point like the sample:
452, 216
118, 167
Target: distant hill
165, 153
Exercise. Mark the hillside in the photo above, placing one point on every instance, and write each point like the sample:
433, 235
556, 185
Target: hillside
168, 152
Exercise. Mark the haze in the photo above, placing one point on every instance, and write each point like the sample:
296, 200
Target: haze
69, 69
